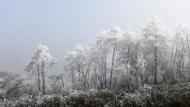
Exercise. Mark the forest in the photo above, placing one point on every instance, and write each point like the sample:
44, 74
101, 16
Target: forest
119, 67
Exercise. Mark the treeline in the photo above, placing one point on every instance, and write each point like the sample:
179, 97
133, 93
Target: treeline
126, 59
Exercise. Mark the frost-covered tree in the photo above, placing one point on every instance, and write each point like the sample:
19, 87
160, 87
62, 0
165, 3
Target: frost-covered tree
11, 85
107, 43
154, 41
130, 59
79, 63
38, 65
181, 53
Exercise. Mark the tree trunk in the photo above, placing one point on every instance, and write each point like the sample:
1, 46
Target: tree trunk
111, 72
155, 65
63, 84
105, 72
38, 68
43, 78
173, 64
73, 80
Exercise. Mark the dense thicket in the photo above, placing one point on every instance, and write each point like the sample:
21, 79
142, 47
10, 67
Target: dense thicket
165, 96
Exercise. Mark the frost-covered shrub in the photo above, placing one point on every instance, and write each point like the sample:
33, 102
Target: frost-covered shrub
105, 95
141, 97
128, 99
49, 100
89, 99
24, 101
82, 100
145, 96
77, 101
7, 103
145, 91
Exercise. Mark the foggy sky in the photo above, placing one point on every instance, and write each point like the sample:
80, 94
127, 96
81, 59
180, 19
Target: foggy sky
62, 24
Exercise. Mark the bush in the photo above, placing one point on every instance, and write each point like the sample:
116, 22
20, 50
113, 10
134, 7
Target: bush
145, 96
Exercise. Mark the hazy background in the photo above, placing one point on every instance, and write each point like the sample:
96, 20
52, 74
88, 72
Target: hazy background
62, 24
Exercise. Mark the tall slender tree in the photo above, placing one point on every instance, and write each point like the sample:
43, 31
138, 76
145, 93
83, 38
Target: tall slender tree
154, 40
40, 62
